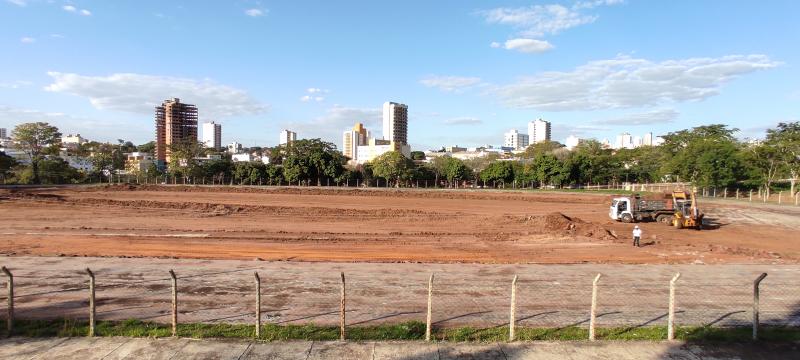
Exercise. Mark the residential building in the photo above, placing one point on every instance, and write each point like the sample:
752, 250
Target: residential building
648, 139
624, 141
212, 135
571, 142
455, 149
538, 131
176, 122
352, 139
286, 137
378, 147
138, 162
3, 133
242, 157
395, 122
72, 141
235, 148
515, 140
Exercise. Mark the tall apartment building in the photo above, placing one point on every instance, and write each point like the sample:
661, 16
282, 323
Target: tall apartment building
175, 122
538, 131
212, 135
3, 133
395, 122
287, 136
352, 139
515, 140
648, 139
624, 141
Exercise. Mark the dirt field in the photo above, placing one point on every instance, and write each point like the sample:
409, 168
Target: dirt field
347, 225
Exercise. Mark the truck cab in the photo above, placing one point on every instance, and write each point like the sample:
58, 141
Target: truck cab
621, 209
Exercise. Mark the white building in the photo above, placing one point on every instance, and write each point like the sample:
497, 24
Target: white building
235, 147
72, 141
138, 162
212, 135
287, 136
571, 142
515, 140
624, 141
395, 122
352, 139
648, 139
242, 157
378, 147
538, 131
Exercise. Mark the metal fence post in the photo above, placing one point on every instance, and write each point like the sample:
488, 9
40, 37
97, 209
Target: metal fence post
10, 299
92, 310
593, 314
756, 284
174, 302
430, 303
258, 305
671, 318
512, 317
343, 309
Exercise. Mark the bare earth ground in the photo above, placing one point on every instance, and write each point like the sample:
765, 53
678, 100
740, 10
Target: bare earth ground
377, 225
222, 291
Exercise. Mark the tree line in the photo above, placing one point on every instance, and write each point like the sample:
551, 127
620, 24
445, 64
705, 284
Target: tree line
707, 156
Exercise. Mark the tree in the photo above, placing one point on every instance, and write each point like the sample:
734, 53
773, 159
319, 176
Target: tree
393, 165
764, 163
498, 171
786, 140
705, 155
455, 169
308, 159
540, 148
183, 158
148, 147
417, 155
36, 140
7, 163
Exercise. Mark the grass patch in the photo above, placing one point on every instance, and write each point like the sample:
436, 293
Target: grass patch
413, 330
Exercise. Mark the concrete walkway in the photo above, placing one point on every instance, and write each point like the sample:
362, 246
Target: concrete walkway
131, 348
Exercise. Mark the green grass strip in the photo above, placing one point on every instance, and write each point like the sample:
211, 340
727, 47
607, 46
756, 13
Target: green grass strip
413, 330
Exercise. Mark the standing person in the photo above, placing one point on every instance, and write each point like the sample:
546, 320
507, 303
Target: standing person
637, 235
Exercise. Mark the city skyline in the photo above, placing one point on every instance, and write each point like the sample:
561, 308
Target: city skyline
594, 69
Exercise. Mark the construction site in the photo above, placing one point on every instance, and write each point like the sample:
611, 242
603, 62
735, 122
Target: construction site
379, 225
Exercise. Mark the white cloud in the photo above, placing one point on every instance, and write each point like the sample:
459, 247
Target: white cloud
109, 129
625, 82
595, 3
139, 93
495, 44
538, 20
463, 121
528, 45
27, 40
254, 12
307, 98
450, 83
15, 84
57, 36
18, 2
314, 90
73, 9
659, 116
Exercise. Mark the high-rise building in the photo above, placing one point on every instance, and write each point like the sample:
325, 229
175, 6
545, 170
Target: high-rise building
624, 141
3, 133
235, 148
538, 131
176, 122
212, 135
287, 136
352, 139
515, 140
648, 139
395, 122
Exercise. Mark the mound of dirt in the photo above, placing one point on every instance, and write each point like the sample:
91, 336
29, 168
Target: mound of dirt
559, 224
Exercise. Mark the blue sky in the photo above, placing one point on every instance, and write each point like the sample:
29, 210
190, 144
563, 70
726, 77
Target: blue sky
468, 70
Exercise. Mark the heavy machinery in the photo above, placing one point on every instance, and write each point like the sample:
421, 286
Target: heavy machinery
687, 213
635, 208
678, 209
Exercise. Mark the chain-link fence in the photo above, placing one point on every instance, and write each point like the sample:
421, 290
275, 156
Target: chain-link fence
480, 303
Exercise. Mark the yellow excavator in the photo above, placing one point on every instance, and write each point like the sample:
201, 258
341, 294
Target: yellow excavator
687, 214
